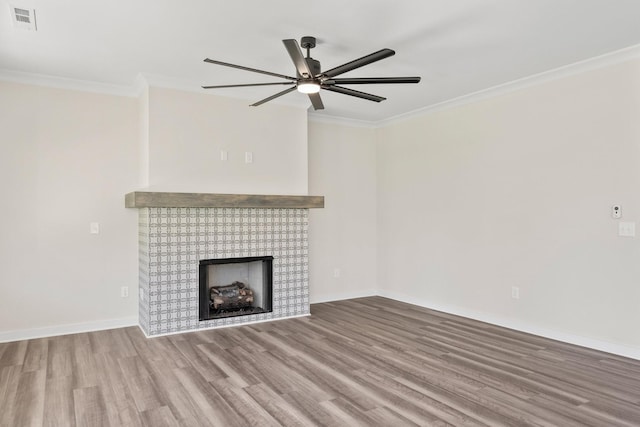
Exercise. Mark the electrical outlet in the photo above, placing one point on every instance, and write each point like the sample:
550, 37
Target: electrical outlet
616, 211
124, 291
515, 292
336, 272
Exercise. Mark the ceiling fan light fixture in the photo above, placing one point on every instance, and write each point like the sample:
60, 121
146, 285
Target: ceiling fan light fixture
308, 87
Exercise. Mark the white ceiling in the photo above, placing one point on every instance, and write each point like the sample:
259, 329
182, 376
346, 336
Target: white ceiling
457, 46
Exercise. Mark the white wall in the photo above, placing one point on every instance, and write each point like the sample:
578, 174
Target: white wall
342, 167
517, 191
188, 130
67, 160
143, 127
448, 210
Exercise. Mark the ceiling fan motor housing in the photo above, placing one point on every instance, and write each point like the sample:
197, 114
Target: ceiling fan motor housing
314, 66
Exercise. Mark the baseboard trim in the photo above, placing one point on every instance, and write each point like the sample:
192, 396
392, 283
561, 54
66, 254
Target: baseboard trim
344, 295
595, 344
582, 341
69, 328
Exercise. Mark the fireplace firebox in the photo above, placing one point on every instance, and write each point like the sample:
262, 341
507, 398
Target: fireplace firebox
235, 287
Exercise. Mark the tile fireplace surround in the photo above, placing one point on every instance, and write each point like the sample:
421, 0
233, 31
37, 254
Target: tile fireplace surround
177, 230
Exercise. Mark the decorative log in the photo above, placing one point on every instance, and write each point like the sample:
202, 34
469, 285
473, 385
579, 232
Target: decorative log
234, 296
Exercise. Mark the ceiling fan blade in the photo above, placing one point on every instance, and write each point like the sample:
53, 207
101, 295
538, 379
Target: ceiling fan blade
284, 92
316, 101
372, 80
356, 93
250, 84
240, 67
298, 58
360, 62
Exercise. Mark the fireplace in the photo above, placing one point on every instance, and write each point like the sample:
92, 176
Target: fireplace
173, 241
235, 287
179, 233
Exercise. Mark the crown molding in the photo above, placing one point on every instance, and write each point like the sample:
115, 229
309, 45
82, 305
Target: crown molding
66, 83
145, 80
186, 85
333, 120
594, 63
157, 80
140, 84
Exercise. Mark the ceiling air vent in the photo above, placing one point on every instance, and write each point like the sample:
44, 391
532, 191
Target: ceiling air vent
23, 18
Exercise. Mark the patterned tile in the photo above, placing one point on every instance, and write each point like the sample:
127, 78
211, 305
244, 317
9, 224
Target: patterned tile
172, 241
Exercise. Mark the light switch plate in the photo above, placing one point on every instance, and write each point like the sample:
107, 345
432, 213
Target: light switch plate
94, 228
627, 229
248, 157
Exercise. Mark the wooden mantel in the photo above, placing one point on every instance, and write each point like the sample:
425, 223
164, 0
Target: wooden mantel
146, 199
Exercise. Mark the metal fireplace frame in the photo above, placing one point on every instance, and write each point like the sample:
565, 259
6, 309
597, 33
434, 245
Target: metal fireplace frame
267, 288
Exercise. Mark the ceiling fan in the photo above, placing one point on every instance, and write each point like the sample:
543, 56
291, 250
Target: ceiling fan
310, 79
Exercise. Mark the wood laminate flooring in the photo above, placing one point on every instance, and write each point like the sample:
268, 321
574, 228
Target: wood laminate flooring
367, 361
